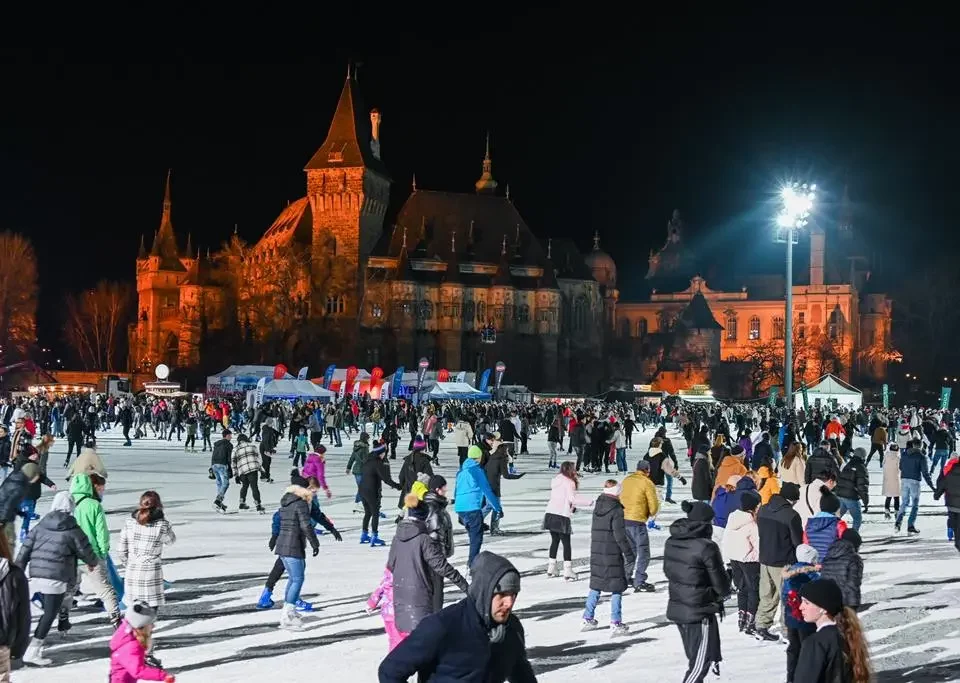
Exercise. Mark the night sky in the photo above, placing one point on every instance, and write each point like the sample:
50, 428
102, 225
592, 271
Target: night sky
593, 126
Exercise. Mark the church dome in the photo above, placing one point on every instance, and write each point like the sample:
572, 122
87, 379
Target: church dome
601, 265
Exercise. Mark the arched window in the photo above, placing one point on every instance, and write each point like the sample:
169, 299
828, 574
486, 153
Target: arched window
376, 311
624, 328
523, 313
754, 331
335, 305
779, 331
642, 327
731, 326
835, 326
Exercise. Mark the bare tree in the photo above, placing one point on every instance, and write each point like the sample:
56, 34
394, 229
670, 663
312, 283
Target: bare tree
96, 325
18, 296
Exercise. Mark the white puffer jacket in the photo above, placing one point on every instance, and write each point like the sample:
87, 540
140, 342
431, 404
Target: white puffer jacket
741, 539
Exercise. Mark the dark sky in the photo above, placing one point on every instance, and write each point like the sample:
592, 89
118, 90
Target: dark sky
596, 124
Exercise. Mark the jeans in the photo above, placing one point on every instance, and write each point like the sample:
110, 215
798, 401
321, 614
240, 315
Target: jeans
853, 505
910, 494
473, 521
669, 481
295, 567
621, 460
356, 498
937, 463
223, 481
593, 597
640, 540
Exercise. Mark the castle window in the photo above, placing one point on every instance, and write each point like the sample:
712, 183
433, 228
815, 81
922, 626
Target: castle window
835, 326
778, 328
801, 325
376, 311
731, 326
373, 357
754, 332
580, 314
424, 310
481, 311
335, 305
523, 313
642, 327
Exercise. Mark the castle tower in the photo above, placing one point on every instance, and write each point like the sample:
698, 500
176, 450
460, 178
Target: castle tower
159, 275
486, 184
348, 188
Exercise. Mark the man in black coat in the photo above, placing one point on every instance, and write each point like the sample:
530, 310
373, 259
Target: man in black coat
853, 487
477, 640
375, 471
701, 485
780, 532
610, 554
698, 586
819, 463
12, 492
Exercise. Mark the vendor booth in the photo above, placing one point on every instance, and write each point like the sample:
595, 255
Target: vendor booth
455, 391
828, 389
240, 378
291, 390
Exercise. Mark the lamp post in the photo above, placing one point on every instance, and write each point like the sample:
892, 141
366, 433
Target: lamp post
796, 202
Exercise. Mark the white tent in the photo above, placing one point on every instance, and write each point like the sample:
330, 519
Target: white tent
455, 390
828, 388
295, 388
239, 378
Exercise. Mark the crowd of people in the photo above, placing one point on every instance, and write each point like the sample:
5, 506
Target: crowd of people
770, 489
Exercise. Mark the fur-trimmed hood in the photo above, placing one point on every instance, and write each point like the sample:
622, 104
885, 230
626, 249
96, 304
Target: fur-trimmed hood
294, 492
799, 568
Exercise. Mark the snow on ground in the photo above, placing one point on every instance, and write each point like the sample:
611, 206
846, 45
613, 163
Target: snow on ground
210, 630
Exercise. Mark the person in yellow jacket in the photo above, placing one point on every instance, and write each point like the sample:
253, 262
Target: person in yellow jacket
767, 483
640, 504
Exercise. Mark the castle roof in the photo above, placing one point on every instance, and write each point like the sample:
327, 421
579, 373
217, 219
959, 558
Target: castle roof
698, 316
165, 242
349, 137
294, 224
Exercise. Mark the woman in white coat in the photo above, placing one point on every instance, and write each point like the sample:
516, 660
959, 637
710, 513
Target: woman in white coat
891, 479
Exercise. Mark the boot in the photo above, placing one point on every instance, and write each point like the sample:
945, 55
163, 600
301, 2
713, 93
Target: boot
748, 625
376, 541
289, 619
63, 623
34, 654
551, 568
243, 505
741, 620
266, 599
568, 573
364, 537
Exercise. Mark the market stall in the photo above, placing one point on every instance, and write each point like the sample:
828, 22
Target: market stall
830, 390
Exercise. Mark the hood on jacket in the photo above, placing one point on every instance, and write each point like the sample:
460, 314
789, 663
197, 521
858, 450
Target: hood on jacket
294, 493
409, 528
80, 486
746, 484
57, 520
820, 521
682, 529
841, 548
799, 568
487, 571
739, 519
605, 505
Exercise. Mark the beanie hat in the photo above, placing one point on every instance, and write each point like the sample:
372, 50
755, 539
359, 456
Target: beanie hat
828, 502
364, 437
807, 553
419, 444
31, 471
140, 615
853, 536
860, 453
63, 502
643, 466
296, 479
508, 583
320, 450
697, 511
436, 482
790, 491
737, 450
615, 490
749, 501
703, 448
474, 452
825, 594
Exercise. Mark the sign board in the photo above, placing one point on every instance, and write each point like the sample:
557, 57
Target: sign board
643, 387
806, 398
886, 396
772, 397
945, 397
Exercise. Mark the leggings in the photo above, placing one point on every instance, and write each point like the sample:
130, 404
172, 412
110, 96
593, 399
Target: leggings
249, 481
556, 538
896, 503
51, 608
275, 575
371, 516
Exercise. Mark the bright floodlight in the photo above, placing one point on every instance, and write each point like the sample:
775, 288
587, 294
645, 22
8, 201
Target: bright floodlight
797, 204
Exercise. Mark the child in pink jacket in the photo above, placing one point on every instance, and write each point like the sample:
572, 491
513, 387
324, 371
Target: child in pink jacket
382, 596
129, 646
316, 466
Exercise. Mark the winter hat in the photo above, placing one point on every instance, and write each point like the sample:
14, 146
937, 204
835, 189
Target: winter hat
853, 536
749, 501
475, 452
828, 502
613, 490
31, 471
364, 437
825, 594
736, 451
508, 583
703, 448
378, 449
320, 450
63, 502
643, 466
807, 553
860, 453
296, 479
419, 444
893, 447
436, 482
697, 511
790, 491
140, 615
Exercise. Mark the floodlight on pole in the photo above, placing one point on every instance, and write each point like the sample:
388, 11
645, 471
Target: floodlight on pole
797, 201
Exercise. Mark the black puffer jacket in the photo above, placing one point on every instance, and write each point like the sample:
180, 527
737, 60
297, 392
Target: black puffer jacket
12, 492
818, 464
698, 581
375, 471
296, 529
854, 482
415, 560
14, 609
780, 531
414, 464
949, 483
845, 566
609, 546
701, 488
54, 546
439, 523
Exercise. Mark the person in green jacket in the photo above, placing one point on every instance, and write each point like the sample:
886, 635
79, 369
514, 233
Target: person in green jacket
361, 450
86, 490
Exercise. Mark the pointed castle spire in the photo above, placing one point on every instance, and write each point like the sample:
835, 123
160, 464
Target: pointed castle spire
142, 253
414, 182
596, 240
165, 241
486, 184
189, 249
549, 248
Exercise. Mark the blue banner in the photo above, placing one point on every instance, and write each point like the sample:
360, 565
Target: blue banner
396, 389
328, 376
484, 380
303, 372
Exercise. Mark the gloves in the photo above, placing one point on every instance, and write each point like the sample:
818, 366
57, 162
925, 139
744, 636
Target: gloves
210, 474
272, 543
328, 493
229, 473
316, 550
348, 470
238, 481
336, 535
169, 678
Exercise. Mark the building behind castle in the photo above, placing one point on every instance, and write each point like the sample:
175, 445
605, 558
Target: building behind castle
329, 281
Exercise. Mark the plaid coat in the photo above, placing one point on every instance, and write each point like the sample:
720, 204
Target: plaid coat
140, 548
245, 459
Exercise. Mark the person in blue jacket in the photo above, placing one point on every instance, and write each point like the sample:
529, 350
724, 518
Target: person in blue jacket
471, 488
317, 517
477, 640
